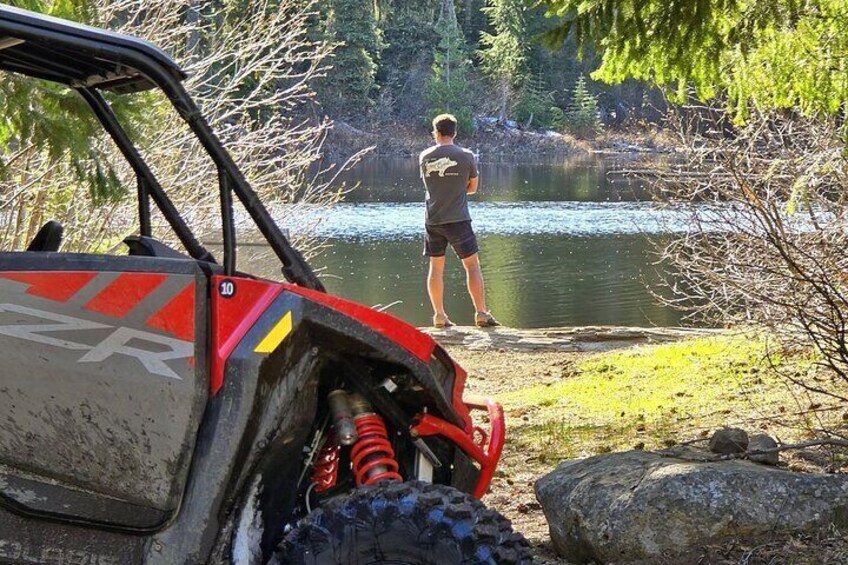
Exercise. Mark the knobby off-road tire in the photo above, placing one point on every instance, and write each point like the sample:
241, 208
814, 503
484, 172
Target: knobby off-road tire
404, 523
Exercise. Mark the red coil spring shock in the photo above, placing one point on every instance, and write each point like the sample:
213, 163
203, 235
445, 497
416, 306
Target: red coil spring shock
372, 455
325, 469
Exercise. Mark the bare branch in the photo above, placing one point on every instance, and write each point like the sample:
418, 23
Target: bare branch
252, 77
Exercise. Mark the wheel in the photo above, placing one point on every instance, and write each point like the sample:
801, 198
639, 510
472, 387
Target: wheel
404, 524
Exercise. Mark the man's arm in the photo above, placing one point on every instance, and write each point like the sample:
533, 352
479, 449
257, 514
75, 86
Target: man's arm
473, 177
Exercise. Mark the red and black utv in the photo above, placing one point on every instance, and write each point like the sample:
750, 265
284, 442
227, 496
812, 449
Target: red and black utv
161, 407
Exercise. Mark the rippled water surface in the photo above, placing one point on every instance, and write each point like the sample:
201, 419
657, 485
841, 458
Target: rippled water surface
562, 243
374, 220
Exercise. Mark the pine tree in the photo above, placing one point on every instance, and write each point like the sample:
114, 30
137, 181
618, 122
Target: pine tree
56, 123
582, 113
408, 31
447, 87
757, 53
504, 53
535, 105
350, 84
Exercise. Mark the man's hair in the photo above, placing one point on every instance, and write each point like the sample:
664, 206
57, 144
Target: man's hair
445, 124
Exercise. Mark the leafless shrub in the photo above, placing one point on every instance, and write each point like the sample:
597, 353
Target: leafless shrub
767, 239
251, 75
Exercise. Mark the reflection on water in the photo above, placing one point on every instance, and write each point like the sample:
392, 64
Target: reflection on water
531, 281
576, 179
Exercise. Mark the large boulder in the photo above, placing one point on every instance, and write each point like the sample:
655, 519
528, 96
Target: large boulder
641, 505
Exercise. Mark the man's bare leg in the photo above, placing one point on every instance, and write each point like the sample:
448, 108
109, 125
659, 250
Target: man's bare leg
474, 279
436, 284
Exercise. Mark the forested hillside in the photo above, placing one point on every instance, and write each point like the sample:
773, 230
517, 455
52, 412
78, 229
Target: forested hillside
400, 62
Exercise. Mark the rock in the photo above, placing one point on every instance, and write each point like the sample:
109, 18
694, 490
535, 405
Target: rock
815, 457
727, 441
641, 505
528, 507
763, 441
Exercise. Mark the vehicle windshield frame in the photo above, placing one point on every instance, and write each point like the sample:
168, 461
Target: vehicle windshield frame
149, 67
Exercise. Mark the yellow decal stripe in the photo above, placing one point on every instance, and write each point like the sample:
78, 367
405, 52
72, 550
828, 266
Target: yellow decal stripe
276, 336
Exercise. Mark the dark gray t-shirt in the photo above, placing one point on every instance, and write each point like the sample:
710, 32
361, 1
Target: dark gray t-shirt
446, 170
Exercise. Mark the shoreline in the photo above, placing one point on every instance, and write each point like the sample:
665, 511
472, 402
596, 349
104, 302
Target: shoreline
345, 140
562, 339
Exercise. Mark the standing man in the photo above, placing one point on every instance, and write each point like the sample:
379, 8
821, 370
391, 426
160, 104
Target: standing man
450, 175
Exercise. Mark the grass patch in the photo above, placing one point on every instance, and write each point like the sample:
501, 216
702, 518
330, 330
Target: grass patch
655, 396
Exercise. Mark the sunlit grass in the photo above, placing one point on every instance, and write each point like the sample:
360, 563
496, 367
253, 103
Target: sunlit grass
655, 396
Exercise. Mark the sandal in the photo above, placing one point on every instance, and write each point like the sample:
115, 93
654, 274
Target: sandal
485, 320
442, 321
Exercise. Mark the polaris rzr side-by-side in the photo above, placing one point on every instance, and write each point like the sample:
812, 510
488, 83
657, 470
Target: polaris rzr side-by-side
161, 407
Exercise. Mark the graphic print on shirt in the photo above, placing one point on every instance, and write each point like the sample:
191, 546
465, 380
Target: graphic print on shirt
440, 166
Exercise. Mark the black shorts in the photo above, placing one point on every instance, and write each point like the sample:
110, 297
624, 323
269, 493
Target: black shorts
458, 234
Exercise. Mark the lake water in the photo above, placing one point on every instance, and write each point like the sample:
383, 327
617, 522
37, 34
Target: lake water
562, 243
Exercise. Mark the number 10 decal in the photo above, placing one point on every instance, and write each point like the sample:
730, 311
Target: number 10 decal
227, 288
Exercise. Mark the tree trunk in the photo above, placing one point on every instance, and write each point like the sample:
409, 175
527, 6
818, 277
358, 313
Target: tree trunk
504, 99
192, 16
19, 236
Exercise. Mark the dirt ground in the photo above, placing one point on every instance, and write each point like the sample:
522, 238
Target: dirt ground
497, 372
493, 373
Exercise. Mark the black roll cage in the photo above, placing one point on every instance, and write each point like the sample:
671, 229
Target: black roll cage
136, 65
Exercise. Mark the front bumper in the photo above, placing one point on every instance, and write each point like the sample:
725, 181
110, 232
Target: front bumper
484, 447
